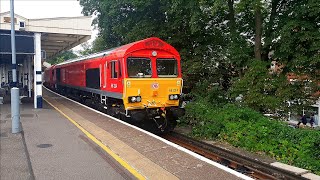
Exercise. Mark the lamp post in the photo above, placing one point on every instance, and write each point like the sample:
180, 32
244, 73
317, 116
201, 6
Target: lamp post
15, 107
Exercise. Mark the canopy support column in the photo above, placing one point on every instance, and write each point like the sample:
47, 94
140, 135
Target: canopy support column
37, 72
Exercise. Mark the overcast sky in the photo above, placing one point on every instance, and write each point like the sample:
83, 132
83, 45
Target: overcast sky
31, 9
34, 9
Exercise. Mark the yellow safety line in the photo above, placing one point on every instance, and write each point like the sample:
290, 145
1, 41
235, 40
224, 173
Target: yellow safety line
105, 148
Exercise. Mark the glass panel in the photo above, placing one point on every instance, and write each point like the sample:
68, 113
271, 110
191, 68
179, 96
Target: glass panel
167, 68
139, 67
113, 69
119, 67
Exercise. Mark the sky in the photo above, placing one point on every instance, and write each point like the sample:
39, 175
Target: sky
34, 9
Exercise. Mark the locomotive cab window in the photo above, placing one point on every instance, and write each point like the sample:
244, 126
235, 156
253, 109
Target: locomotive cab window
119, 67
167, 68
114, 70
139, 67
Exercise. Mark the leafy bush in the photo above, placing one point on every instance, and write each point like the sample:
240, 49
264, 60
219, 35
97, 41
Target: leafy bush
210, 92
246, 128
270, 92
201, 118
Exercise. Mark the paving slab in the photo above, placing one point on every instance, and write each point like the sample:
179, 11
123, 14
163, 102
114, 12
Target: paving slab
58, 151
14, 162
51, 147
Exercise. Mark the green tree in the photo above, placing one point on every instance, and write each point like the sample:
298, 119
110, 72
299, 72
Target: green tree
86, 49
66, 55
298, 40
220, 42
98, 45
182, 23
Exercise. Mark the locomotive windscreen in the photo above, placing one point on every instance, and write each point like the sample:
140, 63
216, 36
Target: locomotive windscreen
139, 67
167, 68
93, 78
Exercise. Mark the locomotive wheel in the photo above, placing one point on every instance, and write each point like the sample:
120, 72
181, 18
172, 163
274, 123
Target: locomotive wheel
114, 112
82, 99
172, 122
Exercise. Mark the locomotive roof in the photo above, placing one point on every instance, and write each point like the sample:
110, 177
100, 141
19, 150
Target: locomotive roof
149, 43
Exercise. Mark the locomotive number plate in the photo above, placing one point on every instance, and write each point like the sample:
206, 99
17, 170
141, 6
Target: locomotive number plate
173, 90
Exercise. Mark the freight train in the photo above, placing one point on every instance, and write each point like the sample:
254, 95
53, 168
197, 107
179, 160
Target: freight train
140, 83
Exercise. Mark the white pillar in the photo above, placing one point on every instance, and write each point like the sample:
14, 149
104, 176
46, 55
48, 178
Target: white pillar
3, 79
1, 75
6, 80
37, 72
20, 69
25, 72
29, 75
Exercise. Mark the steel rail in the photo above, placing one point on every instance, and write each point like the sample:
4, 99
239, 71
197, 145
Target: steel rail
238, 162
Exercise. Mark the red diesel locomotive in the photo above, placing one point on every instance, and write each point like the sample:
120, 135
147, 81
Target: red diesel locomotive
139, 82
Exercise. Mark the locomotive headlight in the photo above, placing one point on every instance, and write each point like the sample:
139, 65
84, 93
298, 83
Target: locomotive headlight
154, 53
133, 99
173, 96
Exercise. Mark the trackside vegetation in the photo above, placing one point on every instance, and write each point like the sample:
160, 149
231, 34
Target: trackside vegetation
236, 60
246, 128
245, 47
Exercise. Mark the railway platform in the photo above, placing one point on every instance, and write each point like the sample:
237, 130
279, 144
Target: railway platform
66, 140
50, 147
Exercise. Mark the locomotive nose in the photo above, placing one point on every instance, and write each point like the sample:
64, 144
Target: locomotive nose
154, 93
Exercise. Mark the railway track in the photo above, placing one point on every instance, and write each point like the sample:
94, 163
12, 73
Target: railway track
250, 167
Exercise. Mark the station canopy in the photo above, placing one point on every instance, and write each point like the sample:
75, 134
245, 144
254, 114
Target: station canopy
57, 35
